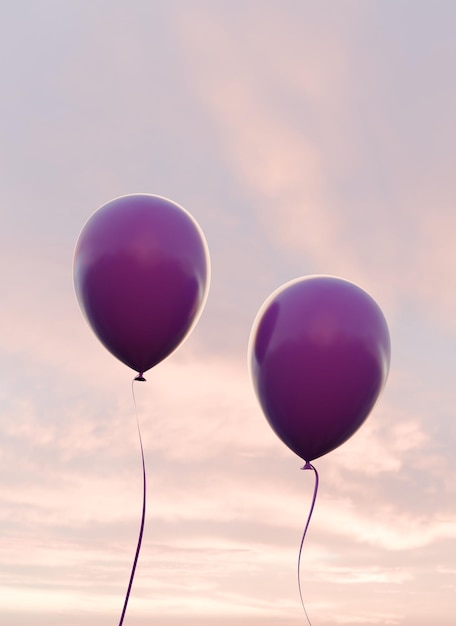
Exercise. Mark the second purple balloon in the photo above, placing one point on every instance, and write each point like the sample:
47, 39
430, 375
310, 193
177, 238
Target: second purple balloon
319, 357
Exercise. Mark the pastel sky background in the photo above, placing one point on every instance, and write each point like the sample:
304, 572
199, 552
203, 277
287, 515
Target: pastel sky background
305, 137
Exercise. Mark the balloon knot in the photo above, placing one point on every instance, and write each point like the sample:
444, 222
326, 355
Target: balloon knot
140, 377
307, 466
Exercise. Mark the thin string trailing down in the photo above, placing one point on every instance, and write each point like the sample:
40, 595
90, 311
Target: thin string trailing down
143, 517
306, 467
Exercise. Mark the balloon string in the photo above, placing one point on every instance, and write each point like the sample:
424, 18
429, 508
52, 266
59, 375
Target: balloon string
307, 466
141, 530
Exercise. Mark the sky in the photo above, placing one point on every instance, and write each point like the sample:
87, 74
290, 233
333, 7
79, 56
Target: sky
305, 138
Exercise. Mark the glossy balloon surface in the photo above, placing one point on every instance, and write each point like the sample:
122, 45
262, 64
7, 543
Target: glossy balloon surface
141, 274
319, 357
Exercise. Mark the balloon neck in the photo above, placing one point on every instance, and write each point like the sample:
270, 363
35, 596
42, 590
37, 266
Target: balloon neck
307, 466
140, 377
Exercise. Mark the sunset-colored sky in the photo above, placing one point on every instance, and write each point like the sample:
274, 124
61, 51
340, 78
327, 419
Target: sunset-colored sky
306, 138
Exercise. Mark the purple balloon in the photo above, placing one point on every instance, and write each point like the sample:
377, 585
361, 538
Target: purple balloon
319, 357
141, 274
